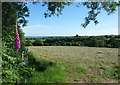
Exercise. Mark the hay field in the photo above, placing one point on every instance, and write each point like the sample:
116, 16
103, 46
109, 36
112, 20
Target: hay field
74, 52
93, 59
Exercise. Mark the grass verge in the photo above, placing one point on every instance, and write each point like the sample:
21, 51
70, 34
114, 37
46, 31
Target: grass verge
46, 71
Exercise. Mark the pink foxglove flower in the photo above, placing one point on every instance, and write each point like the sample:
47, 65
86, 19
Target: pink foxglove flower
17, 41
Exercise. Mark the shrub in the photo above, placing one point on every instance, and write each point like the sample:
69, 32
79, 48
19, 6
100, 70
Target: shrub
13, 68
28, 43
69, 44
46, 44
101, 43
38, 42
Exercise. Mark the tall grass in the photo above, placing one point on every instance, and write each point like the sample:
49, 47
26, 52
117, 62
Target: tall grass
46, 71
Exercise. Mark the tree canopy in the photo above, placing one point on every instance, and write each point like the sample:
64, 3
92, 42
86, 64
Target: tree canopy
55, 9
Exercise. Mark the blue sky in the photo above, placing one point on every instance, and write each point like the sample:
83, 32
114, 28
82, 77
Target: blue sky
69, 23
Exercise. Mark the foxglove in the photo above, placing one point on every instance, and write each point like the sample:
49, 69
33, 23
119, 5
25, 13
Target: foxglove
17, 41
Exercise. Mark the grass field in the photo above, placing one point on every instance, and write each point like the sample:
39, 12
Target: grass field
82, 64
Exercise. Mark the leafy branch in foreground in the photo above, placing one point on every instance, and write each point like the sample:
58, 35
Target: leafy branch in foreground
95, 9
55, 8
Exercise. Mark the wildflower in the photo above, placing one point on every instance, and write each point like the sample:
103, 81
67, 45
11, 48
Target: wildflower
17, 40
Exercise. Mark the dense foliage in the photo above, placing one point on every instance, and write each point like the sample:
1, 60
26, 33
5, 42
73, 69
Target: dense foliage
13, 67
91, 41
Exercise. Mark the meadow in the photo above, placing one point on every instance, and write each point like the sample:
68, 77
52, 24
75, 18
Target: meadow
77, 64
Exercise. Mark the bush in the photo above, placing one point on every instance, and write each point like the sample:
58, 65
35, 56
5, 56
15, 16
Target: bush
93, 42
46, 44
63, 44
28, 43
108, 45
75, 44
38, 42
69, 44
101, 43
13, 67
112, 42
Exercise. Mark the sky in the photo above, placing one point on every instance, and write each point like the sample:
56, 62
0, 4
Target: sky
69, 23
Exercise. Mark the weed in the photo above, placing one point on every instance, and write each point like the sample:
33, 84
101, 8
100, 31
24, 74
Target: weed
93, 78
111, 72
80, 70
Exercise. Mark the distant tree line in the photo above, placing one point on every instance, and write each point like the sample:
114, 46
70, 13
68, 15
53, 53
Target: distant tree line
112, 41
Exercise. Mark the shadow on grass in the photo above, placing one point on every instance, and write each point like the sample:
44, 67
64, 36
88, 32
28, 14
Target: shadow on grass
45, 71
39, 64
